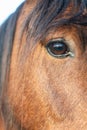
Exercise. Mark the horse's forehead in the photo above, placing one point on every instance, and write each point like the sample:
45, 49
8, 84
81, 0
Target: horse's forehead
26, 10
31, 1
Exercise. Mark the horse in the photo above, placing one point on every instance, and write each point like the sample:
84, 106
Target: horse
43, 66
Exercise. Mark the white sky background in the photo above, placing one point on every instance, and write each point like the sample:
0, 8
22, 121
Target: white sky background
7, 7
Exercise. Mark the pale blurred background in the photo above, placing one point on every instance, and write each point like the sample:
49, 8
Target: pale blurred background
7, 7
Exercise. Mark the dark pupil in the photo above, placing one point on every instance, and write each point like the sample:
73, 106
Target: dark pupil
58, 48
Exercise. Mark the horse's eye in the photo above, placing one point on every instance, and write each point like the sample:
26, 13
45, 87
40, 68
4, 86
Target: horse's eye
58, 48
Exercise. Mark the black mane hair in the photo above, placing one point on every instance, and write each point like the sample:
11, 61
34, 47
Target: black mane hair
7, 31
49, 14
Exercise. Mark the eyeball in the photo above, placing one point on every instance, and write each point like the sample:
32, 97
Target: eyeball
58, 48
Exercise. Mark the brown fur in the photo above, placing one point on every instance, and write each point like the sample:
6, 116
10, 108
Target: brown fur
43, 92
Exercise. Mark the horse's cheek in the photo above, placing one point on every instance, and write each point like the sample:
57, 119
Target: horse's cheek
46, 91
26, 95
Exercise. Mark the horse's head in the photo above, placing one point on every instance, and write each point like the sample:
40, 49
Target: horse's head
45, 84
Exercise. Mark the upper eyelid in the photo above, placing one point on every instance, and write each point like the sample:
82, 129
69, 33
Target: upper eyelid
57, 39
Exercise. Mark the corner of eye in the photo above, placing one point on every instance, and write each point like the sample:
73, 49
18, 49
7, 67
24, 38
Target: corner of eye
71, 54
